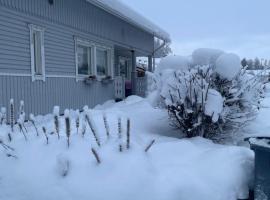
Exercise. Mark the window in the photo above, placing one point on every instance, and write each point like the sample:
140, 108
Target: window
102, 62
37, 52
92, 59
84, 60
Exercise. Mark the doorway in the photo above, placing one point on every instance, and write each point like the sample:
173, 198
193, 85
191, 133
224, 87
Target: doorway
125, 72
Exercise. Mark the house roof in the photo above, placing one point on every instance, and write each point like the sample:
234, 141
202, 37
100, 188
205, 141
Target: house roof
124, 12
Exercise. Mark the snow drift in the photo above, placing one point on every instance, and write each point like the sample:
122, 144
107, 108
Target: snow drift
173, 169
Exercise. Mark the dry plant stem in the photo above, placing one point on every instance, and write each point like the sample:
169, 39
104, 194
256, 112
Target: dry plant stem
106, 125
92, 129
120, 148
24, 128
21, 130
68, 130
35, 127
83, 130
128, 133
96, 156
12, 156
78, 124
5, 146
56, 123
149, 146
120, 134
119, 128
9, 137
12, 117
45, 134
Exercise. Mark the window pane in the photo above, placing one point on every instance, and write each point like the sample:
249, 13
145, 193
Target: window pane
84, 60
124, 68
102, 62
37, 52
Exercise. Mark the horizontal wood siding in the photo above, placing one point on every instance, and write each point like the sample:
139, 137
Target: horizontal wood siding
62, 21
85, 17
40, 97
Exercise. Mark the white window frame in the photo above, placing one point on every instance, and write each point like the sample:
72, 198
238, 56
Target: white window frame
36, 28
109, 61
94, 46
85, 44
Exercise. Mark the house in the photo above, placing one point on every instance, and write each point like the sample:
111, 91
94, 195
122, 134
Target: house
70, 53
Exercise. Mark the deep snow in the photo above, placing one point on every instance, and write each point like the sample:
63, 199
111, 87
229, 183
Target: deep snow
189, 169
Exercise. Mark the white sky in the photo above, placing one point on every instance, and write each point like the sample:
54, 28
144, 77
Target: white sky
239, 26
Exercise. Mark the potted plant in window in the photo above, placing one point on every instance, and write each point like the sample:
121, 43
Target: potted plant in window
106, 79
90, 79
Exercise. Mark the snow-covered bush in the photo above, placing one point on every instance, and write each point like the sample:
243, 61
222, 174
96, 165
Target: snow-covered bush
212, 97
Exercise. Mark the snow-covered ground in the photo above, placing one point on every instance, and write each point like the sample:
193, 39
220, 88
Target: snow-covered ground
173, 168
261, 126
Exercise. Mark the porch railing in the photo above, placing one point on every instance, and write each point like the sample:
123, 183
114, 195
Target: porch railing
119, 87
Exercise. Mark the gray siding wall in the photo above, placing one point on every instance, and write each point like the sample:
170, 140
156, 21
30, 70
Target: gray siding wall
62, 21
85, 17
40, 97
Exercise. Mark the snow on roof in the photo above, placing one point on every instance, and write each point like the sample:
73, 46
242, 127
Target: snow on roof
123, 11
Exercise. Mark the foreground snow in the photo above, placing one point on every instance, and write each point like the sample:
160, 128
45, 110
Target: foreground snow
189, 169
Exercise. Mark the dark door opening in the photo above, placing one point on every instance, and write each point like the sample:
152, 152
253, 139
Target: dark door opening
125, 71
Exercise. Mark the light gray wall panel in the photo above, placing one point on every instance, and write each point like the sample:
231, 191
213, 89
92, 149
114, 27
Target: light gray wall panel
85, 17
40, 97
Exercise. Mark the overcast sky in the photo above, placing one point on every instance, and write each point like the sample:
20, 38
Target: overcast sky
240, 26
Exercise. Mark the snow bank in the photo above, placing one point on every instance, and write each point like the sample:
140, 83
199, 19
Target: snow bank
173, 169
228, 65
205, 56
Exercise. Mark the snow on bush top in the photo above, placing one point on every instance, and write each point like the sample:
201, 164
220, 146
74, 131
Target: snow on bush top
213, 105
205, 56
173, 62
228, 65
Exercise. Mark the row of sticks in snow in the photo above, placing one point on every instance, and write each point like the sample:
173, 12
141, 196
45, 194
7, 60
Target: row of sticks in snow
87, 119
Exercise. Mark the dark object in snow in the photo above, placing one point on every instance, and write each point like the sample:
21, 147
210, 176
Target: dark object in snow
11, 156
63, 165
9, 137
120, 134
67, 121
77, 121
5, 146
120, 148
12, 122
150, 145
128, 133
22, 131
105, 120
45, 134
96, 155
261, 147
56, 123
119, 128
91, 125
32, 120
